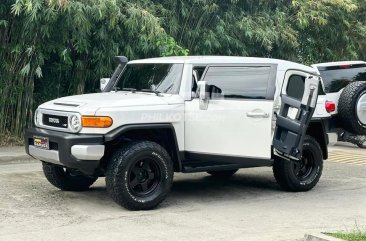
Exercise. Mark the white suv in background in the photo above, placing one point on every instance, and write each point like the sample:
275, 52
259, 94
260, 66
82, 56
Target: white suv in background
345, 87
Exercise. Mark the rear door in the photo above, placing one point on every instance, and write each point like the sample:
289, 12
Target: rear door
298, 101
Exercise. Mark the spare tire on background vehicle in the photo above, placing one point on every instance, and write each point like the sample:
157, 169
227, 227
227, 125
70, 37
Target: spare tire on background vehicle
352, 108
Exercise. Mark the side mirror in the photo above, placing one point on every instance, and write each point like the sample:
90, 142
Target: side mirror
203, 94
103, 83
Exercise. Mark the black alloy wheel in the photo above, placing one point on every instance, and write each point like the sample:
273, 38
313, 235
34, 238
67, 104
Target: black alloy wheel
304, 168
144, 177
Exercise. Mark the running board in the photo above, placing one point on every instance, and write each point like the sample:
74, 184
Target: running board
195, 162
191, 169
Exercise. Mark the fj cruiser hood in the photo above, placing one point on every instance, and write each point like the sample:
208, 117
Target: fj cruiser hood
93, 102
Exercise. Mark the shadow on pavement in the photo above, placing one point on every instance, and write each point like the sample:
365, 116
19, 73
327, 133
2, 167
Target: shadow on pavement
202, 189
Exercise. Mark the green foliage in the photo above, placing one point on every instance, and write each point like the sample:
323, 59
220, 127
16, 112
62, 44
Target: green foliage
168, 47
330, 30
53, 48
307, 31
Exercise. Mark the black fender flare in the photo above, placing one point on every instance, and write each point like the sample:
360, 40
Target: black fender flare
318, 128
114, 134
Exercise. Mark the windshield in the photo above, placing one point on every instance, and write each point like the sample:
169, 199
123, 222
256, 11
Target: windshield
336, 78
163, 78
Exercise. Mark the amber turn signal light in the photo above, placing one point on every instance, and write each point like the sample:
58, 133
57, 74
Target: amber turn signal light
96, 121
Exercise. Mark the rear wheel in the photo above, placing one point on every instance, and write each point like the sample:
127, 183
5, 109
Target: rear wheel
303, 175
223, 174
139, 176
66, 179
352, 107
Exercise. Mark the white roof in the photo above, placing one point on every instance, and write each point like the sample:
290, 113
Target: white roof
282, 64
328, 64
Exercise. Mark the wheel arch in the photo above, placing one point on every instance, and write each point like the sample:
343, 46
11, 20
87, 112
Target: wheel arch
163, 133
317, 130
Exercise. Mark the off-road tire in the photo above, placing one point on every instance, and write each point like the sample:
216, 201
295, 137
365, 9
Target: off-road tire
65, 179
347, 107
120, 170
222, 174
285, 173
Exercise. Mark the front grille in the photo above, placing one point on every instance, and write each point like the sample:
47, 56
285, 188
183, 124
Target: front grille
55, 120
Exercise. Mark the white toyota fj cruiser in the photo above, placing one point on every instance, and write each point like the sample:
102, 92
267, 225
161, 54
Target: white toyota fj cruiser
158, 116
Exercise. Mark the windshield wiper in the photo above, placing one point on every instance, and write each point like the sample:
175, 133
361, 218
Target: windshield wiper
151, 91
133, 90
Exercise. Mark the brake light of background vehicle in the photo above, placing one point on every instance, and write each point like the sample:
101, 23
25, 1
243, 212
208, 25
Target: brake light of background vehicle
96, 121
345, 66
330, 106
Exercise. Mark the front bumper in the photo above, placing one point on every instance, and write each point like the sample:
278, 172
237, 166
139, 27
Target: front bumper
79, 151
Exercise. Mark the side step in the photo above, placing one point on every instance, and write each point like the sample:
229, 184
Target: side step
199, 166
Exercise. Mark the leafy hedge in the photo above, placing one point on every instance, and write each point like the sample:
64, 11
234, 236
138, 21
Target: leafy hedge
53, 48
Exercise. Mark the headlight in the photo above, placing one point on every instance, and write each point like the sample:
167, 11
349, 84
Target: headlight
37, 118
75, 123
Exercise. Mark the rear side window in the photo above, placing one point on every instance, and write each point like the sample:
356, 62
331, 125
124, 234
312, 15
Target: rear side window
296, 86
238, 82
336, 78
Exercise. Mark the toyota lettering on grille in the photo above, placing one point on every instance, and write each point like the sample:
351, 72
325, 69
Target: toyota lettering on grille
54, 120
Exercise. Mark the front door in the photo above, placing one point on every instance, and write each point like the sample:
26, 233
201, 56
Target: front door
238, 119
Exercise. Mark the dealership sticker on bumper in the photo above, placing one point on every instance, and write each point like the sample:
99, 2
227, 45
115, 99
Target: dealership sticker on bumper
41, 142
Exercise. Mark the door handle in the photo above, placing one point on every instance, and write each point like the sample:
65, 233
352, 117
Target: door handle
257, 114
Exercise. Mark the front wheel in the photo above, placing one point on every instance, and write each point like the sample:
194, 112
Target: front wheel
303, 175
139, 175
66, 179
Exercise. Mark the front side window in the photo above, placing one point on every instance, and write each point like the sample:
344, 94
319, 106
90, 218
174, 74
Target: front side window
238, 82
163, 78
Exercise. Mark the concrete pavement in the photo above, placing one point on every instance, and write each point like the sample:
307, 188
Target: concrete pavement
249, 206
13, 154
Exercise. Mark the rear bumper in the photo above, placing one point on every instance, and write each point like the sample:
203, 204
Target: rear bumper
79, 151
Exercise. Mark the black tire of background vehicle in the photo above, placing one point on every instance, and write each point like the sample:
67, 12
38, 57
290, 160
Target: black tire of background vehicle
358, 140
222, 174
285, 171
120, 170
347, 107
65, 180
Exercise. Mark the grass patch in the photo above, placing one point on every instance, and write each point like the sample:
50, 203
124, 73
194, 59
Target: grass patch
353, 236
